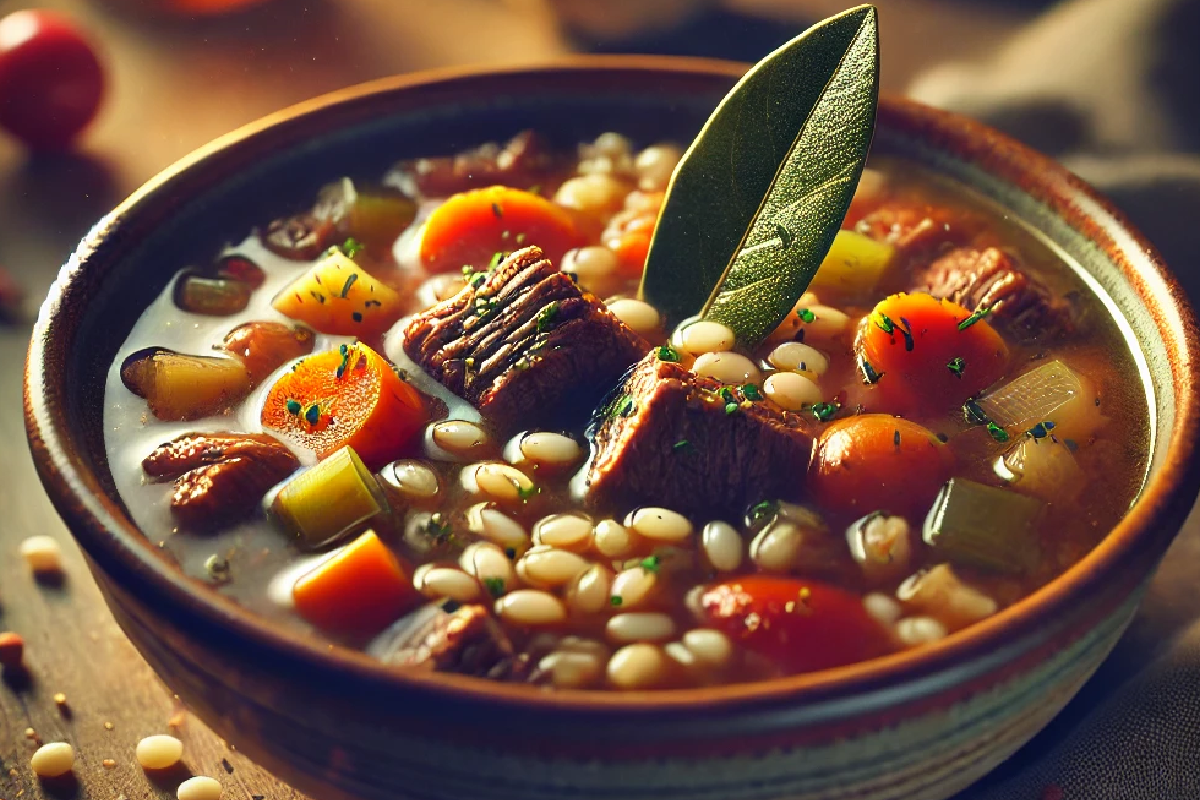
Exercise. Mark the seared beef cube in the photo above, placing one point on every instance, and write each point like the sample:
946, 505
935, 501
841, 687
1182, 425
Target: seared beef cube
446, 637
672, 439
523, 343
991, 278
524, 161
917, 231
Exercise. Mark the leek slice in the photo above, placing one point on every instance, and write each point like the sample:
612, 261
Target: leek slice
982, 526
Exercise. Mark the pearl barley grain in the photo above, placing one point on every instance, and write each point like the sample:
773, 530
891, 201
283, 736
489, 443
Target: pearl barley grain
52, 760
660, 524
638, 666
42, 554
201, 787
159, 752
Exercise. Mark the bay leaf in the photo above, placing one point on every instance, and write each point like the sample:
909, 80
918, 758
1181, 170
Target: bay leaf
758, 197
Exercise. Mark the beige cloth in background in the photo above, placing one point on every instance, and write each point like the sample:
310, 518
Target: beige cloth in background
1112, 89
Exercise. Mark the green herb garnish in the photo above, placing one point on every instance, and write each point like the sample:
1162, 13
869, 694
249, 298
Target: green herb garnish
975, 317
438, 528
885, 324
351, 247
494, 586
349, 282
546, 317
615, 601
764, 510
751, 392
293, 407
1041, 430
785, 150
682, 444
667, 353
497, 257
313, 415
626, 407
651, 563
806, 316
527, 492
956, 366
824, 411
870, 376
997, 433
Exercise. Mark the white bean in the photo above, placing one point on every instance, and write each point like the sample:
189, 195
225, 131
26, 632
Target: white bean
827, 325
595, 267
659, 524
640, 626
881, 546
497, 528
613, 539
412, 479
433, 581
52, 760
913, 631
501, 481
550, 449
799, 357
200, 787
459, 438
723, 546
638, 666
711, 647
791, 390
568, 531
883, 608
590, 592
159, 752
684, 659
641, 318
549, 567
596, 192
632, 587
531, 608
654, 166
940, 593
703, 336
727, 367
777, 547
609, 143
43, 555
488, 564
572, 670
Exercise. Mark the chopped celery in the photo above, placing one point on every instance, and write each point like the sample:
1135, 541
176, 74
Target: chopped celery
335, 497
983, 526
852, 267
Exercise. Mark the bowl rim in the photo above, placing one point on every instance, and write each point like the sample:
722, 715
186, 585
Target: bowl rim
115, 543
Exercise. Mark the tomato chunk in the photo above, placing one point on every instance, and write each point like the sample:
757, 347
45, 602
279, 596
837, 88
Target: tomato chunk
800, 625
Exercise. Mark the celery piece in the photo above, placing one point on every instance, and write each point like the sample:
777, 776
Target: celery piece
325, 502
853, 266
982, 526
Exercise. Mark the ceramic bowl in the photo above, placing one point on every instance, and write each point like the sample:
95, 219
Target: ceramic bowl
921, 724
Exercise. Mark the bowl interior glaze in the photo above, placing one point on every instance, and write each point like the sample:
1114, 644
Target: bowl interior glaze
277, 165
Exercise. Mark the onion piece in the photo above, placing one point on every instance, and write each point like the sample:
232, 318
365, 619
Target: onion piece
1043, 467
1050, 392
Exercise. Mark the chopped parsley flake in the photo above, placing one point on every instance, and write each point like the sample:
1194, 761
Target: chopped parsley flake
546, 317
997, 433
626, 407
974, 413
751, 392
313, 415
906, 332
495, 586
349, 282
497, 257
956, 365
667, 353
870, 376
975, 317
885, 324
438, 529
805, 315
615, 601
1041, 430
731, 408
764, 510
651, 563
351, 247
824, 411
293, 407
682, 444
497, 210
526, 492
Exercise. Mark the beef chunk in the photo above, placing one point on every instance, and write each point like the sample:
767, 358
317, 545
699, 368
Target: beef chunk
917, 231
525, 160
524, 341
446, 637
674, 439
991, 278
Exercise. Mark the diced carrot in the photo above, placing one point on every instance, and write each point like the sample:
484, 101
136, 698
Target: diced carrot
471, 227
927, 355
877, 462
346, 397
632, 249
361, 588
339, 297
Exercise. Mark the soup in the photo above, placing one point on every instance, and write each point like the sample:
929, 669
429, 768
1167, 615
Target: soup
427, 417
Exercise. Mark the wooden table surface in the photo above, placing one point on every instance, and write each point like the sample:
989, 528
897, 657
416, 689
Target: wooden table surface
174, 86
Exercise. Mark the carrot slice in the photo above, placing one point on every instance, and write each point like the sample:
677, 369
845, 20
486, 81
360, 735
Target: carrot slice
878, 462
346, 397
471, 227
926, 354
361, 588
